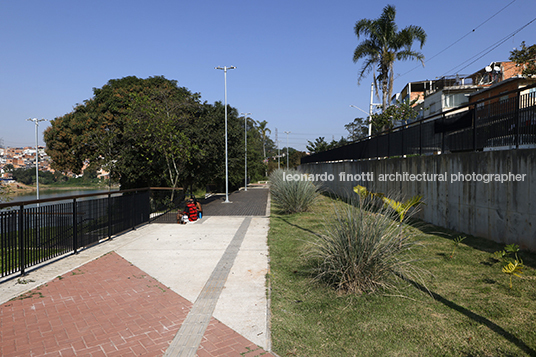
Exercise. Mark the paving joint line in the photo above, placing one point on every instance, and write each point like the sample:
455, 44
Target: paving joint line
187, 340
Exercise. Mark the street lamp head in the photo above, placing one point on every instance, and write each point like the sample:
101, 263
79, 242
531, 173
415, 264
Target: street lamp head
35, 120
356, 107
225, 68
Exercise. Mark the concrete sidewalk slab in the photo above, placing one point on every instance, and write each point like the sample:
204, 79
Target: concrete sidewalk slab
182, 257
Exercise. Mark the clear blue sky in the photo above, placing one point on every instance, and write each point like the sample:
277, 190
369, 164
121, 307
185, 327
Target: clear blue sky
293, 57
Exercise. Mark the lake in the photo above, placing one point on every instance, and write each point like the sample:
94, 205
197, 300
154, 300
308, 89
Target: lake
54, 193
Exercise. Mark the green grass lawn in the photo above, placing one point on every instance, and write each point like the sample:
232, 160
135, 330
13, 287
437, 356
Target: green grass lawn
469, 309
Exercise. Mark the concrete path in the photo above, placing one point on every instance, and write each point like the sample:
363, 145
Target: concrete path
164, 289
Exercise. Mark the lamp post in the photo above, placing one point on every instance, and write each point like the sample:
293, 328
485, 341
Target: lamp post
371, 105
287, 132
245, 150
370, 108
225, 68
278, 156
36, 121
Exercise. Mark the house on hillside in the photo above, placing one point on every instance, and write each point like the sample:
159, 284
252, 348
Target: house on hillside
449, 92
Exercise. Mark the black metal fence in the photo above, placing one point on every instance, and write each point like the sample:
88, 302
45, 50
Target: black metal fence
507, 123
32, 232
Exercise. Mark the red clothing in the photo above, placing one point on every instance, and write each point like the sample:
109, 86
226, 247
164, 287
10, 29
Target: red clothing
191, 210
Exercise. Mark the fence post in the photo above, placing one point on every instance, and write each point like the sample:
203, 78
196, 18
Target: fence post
388, 145
473, 116
22, 256
443, 134
109, 216
403, 132
517, 119
134, 211
75, 227
420, 138
377, 146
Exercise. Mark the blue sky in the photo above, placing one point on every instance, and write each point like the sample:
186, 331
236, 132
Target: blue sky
293, 57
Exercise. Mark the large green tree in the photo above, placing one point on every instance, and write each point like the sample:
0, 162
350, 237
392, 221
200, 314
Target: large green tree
151, 132
160, 119
207, 132
131, 127
382, 46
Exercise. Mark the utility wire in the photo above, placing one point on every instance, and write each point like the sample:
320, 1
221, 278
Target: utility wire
488, 49
461, 38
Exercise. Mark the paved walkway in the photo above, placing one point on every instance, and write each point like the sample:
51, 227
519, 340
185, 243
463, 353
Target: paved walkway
164, 289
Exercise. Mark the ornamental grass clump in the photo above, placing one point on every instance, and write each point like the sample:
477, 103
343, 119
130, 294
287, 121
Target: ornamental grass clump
363, 251
292, 196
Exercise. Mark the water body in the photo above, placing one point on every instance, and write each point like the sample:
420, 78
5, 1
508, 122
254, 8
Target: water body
54, 194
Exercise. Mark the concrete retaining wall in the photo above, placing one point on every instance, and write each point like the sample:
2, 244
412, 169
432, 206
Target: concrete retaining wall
504, 212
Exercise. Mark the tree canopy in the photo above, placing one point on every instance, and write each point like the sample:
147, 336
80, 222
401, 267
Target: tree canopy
525, 57
151, 132
403, 112
384, 45
358, 129
320, 144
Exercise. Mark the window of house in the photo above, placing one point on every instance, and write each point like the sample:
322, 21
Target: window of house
455, 100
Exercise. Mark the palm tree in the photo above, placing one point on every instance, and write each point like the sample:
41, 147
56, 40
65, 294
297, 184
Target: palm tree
263, 130
384, 45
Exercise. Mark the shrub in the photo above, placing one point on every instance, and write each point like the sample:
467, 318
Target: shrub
291, 196
363, 251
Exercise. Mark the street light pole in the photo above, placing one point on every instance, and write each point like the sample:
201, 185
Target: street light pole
245, 150
370, 109
287, 132
371, 105
278, 151
36, 121
225, 68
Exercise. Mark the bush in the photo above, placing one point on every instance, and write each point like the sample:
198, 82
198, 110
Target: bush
291, 196
363, 251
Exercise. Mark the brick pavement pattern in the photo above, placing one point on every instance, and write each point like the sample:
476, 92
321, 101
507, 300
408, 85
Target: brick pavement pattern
107, 307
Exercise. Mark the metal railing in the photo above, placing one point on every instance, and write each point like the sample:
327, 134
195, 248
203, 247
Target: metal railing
32, 232
504, 123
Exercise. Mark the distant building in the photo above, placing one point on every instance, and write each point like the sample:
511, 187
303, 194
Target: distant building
449, 92
500, 91
22, 158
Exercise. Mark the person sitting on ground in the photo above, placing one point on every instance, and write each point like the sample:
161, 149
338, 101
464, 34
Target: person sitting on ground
199, 209
191, 210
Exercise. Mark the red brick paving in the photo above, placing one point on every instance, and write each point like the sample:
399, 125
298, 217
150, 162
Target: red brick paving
107, 307
220, 340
